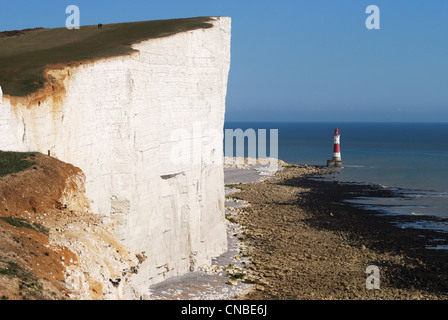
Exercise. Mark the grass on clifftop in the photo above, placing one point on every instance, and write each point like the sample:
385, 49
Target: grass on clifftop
23, 57
12, 162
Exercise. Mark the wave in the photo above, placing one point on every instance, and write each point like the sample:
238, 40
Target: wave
424, 225
402, 152
438, 247
355, 166
424, 194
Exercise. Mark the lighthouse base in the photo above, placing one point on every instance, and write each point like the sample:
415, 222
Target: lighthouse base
334, 163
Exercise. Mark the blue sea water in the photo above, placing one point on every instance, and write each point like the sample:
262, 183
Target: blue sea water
411, 158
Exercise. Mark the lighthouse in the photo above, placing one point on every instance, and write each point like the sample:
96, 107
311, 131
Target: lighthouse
336, 162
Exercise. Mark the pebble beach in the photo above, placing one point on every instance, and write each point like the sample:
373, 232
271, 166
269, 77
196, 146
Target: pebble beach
292, 237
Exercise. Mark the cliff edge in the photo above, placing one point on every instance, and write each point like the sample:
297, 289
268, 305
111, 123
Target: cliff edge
145, 128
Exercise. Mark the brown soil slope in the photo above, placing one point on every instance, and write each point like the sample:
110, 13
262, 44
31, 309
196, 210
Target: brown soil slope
47, 231
30, 268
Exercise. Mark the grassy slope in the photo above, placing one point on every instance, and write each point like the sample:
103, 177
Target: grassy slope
23, 58
12, 162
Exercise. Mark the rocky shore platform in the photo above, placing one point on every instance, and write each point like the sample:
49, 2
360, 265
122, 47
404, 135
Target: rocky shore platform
308, 244
292, 236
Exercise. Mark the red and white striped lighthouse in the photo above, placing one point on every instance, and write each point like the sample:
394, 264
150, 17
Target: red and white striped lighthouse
336, 161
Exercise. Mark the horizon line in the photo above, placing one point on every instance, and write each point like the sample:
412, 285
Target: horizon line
327, 121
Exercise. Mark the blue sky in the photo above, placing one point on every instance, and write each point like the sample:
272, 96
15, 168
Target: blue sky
296, 60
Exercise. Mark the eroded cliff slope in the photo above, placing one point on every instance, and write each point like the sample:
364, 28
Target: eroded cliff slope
122, 121
51, 245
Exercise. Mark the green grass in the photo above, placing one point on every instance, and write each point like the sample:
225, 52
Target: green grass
23, 58
10, 268
12, 162
29, 283
23, 223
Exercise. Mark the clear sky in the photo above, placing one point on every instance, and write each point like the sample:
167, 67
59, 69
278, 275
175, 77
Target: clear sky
296, 60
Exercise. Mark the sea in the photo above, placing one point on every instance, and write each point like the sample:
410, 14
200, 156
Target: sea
410, 159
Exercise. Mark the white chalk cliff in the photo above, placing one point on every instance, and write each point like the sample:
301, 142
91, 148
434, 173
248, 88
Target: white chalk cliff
114, 118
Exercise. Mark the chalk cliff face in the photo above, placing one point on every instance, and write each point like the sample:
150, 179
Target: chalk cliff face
128, 122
